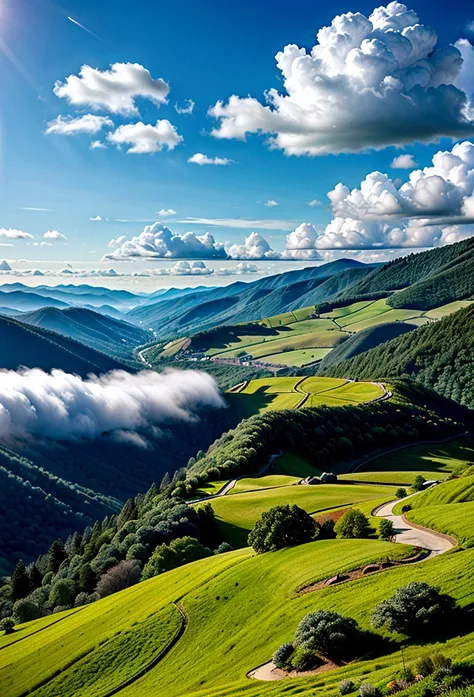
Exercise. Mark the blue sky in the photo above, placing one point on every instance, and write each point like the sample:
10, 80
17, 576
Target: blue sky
206, 51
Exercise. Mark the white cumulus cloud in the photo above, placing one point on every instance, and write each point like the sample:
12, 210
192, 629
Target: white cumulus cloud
271, 203
368, 82
404, 162
114, 90
158, 242
70, 126
66, 407
97, 145
186, 108
146, 138
314, 202
200, 159
254, 247
166, 212
13, 234
54, 235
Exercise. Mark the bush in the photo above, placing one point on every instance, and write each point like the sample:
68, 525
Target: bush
353, 524
121, 576
25, 611
326, 531
418, 483
303, 659
47, 578
386, 530
414, 610
224, 547
282, 526
346, 687
368, 690
283, 654
328, 633
8, 625
401, 493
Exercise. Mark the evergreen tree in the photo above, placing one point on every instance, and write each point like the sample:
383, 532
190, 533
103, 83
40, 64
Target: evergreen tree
56, 556
20, 582
35, 577
128, 512
87, 579
165, 482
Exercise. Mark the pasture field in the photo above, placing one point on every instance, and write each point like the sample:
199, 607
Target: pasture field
444, 310
210, 488
297, 358
239, 612
269, 481
394, 478
288, 392
295, 466
436, 460
237, 514
453, 519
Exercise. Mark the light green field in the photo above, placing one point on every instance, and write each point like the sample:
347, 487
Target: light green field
236, 515
444, 310
395, 478
297, 358
239, 612
348, 309
453, 519
270, 481
438, 460
286, 393
295, 466
173, 347
210, 488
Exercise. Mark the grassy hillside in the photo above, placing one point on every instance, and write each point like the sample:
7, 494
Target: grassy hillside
93, 329
24, 345
439, 355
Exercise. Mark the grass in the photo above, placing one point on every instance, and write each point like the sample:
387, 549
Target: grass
391, 477
286, 393
242, 611
210, 488
454, 519
298, 358
439, 460
444, 310
295, 466
236, 515
270, 481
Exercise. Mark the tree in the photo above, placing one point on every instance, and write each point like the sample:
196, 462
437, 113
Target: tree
25, 611
35, 577
181, 551
353, 524
87, 579
283, 654
56, 556
121, 576
8, 625
401, 493
415, 609
386, 530
62, 593
165, 482
418, 483
128, 512
282, 526
328, 633
20, 582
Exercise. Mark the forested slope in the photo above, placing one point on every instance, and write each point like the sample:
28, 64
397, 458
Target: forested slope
439, 355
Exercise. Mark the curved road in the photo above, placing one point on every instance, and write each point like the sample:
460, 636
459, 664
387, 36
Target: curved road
416, 535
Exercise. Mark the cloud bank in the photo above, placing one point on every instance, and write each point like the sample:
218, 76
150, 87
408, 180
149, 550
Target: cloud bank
66, 407
13, 234
146, 138
368, 82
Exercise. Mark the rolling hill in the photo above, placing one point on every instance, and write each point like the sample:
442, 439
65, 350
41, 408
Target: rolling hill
105, 334
22, 345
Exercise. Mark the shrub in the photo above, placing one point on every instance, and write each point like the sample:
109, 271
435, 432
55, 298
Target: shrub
353, 524
47, 578
418, 483
414, 610
346, 687
386, 530
401, 493
224, 547
283, 654
303, 659
328, 633
368, 690
121, 576
25, 611
406, 507
282, 526
326, 531
8, 625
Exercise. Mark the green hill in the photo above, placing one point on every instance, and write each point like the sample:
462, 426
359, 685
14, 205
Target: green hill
439, 355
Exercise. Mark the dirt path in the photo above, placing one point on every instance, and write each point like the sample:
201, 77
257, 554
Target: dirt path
410, 534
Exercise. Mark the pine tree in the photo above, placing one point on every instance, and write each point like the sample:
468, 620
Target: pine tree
56, 556
20, 582
165, 482
87, 579
35, 577
128, 512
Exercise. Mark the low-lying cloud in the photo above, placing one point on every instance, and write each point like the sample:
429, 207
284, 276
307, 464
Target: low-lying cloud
63, 406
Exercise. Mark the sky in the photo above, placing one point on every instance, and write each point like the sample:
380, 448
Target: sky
161, 139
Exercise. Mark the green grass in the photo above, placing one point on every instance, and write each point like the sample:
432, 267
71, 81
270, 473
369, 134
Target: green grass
340, 312
444, 310
236, 515
391, 477
454, 519
241, 612
267, 482
286, 393
439, 460
297, 358
210, 488
454, 491
295, 466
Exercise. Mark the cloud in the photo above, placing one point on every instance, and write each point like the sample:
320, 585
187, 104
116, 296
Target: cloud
271, 203
301, 243
96, 219
200, 159
254, 247
31, 208
97, 145
242, 223
117, 242
114, 90
314, 202
404, 162
12, 234
186, 108
146, 138
70, 126
66, 407
184, 268
445, 189
158, 242
54, 235
366, 83
300, 246
166, 212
